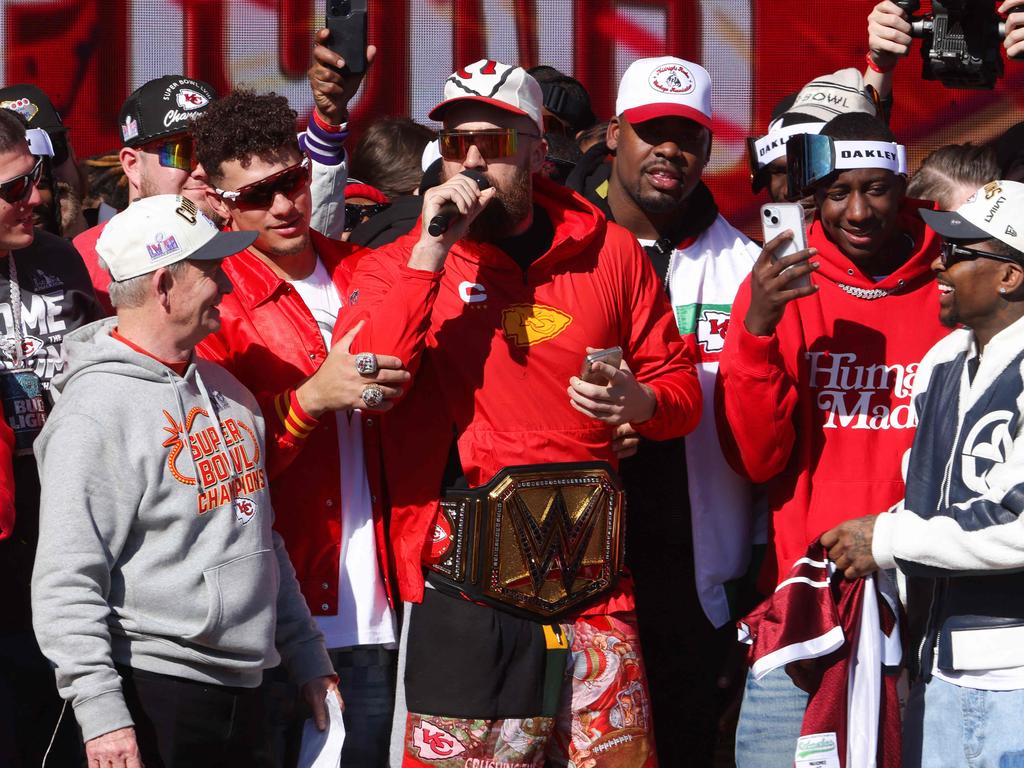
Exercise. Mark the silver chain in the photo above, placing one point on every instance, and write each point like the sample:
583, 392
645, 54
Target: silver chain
13, 344
870, 294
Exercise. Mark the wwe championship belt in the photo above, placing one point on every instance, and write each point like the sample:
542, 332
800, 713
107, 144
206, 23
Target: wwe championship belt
536, 541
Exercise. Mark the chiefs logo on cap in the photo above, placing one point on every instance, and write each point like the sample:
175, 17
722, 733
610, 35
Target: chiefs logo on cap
672, 78
528, 324
189, 99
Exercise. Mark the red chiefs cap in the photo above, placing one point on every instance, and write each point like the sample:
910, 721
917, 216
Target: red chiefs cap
512, 89
665, 86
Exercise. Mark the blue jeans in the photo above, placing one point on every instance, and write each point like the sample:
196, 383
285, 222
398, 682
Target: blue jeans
770, 719
946, 726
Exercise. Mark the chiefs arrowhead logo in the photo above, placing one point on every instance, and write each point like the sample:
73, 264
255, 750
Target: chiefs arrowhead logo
528, 324
435, 743
245, 508
30, 346
441, 538
189, 99
711, 330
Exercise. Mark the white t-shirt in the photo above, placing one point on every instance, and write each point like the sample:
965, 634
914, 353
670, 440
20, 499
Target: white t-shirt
364, 616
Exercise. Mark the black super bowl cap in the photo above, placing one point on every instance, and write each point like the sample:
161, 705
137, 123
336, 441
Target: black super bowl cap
35, 106
163, 107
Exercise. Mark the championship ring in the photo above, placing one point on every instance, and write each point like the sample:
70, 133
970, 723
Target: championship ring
366, 363
372, 395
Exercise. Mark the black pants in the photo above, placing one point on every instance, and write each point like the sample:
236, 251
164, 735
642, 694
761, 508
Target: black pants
184, 724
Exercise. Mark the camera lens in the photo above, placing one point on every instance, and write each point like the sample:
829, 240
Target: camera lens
775, 219
767, 214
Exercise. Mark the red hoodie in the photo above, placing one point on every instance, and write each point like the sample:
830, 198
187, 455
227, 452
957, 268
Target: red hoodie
492, 349
820, 410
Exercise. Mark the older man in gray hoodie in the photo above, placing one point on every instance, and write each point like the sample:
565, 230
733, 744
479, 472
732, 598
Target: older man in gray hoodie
160, 592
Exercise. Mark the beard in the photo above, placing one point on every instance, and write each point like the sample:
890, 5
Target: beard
291, 249
508, 209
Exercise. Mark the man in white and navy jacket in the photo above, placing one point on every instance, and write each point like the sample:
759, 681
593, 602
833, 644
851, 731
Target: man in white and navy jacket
957, 537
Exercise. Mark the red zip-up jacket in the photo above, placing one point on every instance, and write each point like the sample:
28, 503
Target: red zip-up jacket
820, 410
492, 349
270, 341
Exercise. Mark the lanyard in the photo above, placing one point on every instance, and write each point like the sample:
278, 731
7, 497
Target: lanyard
14, 344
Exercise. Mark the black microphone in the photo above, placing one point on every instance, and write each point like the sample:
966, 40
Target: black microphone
449, 211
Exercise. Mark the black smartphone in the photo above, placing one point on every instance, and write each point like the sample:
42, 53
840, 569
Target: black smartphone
347, 19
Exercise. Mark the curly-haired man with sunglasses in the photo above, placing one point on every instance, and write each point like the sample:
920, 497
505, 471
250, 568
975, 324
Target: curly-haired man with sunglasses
522, 639
320, 401
45, 293
158, 156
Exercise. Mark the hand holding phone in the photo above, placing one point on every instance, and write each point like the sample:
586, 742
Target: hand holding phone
777, 218
347, 21
611, 356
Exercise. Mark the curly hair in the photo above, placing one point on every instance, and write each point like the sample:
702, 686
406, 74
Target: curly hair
241, 126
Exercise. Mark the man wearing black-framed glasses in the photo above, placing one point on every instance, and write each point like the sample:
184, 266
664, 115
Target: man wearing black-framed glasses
957, 535
45, 293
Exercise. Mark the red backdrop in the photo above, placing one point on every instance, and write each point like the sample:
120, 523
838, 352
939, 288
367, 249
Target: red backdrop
90, 54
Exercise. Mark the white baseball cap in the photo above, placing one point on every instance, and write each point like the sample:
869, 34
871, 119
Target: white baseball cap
158, 231
664, 86
994, 211
512, 89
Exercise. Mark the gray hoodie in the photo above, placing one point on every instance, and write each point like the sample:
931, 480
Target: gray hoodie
155, 541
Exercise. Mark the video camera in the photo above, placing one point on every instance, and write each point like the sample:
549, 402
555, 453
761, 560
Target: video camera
960, 41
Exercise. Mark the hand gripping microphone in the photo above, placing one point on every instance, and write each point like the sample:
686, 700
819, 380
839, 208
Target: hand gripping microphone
449, 211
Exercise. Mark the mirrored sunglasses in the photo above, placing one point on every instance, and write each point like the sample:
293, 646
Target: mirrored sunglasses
19, 188
261, 194
491, 143
176, 153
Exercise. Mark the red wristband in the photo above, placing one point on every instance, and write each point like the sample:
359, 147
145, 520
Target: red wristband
875, 68
321, 123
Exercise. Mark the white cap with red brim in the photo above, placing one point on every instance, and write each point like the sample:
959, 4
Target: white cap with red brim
665, 86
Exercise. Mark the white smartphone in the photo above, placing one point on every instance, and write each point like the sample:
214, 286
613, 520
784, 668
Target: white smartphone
777, 218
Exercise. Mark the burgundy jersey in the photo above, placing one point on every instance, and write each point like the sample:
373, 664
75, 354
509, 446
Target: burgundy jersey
840, 642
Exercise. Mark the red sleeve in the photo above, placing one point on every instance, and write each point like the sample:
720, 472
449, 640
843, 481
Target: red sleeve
656, 353
6, 480
85, 244
287, 425
756, 398
393, 301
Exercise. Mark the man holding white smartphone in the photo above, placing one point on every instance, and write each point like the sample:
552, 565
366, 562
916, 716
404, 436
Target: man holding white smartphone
816, 385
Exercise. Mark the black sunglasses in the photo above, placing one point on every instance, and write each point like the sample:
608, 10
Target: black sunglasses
18, 189
261, 193
952, 253
356, 213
